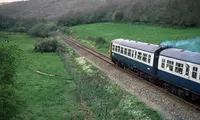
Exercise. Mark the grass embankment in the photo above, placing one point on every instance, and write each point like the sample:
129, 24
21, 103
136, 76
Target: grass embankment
43, 97
139, 32
104, 98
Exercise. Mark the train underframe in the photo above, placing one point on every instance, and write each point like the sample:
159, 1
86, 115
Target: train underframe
174, 89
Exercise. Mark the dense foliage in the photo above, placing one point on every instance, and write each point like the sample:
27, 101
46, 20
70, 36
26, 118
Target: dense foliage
117, 16
161, 12
6, 22
42, 29
167, 12
73, 12
17, 24
46, 45
9, 58
103, 14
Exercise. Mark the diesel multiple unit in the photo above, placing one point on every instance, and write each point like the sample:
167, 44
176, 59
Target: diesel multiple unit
177, 70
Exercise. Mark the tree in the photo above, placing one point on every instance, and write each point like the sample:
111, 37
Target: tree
117, 16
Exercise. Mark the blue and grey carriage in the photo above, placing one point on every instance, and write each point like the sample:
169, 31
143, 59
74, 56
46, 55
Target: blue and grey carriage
175, 67
181, 68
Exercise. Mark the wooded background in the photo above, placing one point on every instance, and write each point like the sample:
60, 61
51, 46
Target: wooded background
72, 12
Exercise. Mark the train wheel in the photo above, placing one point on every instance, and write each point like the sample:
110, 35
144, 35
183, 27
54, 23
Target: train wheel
114, 61
181, 93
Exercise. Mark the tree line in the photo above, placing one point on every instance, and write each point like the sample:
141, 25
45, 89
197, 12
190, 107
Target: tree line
161, 12
164, 12
34, 27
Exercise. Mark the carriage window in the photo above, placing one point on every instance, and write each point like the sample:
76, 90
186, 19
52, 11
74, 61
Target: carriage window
144, 58
113, 47
170, 65
163, 63
194, 72
133, 53
149, 58
139, 55
125, 51
122, 50
129, 52
179, 68
118, 48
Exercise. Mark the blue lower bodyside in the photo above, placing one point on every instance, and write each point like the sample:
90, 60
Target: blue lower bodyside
132, 63
165, 76
179, 81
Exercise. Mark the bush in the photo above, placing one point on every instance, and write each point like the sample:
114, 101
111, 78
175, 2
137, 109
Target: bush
100, 40
42, 29
18, 29
9, 57
46, 45
37, 29
91, 38
67, 30
97, 40
60, 48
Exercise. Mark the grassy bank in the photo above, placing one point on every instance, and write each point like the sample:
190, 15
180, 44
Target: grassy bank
43, 97
139, 32
104, 98
146, 33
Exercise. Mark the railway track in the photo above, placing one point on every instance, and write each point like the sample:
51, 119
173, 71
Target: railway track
90, 50
108, 60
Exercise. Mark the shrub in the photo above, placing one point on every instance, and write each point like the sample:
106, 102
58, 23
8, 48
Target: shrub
42, 29
90, 38
97, 40
100, 40
9, 57
37, 29
60, 48
18, 29
67, 30
46, 45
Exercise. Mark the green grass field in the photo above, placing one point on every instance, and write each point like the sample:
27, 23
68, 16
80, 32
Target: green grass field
138, 32
43, 97
146, 33
54, 98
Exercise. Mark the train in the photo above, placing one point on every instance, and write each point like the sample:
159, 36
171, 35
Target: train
176, 70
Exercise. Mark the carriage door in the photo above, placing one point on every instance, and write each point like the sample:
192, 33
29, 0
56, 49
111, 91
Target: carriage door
187, 71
